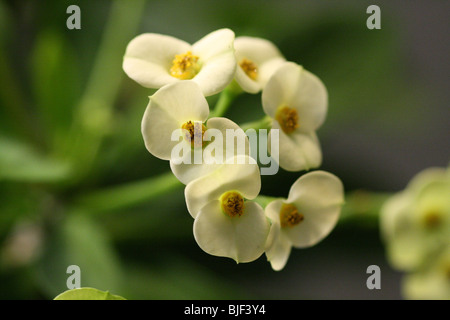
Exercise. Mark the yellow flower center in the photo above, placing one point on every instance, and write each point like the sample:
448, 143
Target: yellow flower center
232, 203
287, 118
185, 66
194, 133
432, 219
289, 215
250, 69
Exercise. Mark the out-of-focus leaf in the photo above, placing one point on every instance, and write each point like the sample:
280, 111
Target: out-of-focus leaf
56, 83
20, 162
78, 240
87, 294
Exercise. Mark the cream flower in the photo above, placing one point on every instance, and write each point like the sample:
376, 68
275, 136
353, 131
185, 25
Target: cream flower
154, 60
257, 60
306, 217
174, 128
297, 101
415, 223
178, 108
432, 282
222, 139
227, 223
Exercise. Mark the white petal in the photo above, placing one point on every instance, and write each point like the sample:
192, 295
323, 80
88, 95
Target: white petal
268, 68
168, 109
265, 71
297, 151
149, 56
278, 245
279, 253
281, 88
394, 213
297, 88
216, 52
214, 44
272, 212
260, 52
233, 175
318, 196
189, 170
240, 238
310, 101
216, 73
425, 177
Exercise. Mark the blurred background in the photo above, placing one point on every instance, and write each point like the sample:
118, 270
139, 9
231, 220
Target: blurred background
75, 177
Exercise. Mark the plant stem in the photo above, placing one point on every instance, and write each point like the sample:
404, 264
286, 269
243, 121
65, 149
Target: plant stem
225, 99
130, 194
263, 123
94, 113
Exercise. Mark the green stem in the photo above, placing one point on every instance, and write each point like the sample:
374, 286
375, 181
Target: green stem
363, 207
263, 200
130, 194
263, 123
13, 103
94, 113
225, 99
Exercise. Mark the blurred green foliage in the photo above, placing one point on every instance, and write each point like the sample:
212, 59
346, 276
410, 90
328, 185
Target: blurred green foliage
76, 180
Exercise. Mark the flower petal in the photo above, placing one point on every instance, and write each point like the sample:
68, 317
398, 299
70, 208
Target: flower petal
278, 246
214, 44
310, 101
168, 109
149, 56
294, 87
240, 238
318, 196
188, 170
280, 88
263, 54
216, 52
297, 151
238, 173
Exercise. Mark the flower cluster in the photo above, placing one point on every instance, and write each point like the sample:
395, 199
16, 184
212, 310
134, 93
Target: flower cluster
223, 178
415, 226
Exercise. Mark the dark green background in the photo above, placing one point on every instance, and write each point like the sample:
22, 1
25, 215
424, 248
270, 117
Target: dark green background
388, 119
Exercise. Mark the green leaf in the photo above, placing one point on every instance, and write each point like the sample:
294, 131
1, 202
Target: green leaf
21, 162
87, 294
56, 83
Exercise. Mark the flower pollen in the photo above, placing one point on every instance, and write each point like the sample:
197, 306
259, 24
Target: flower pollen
232, 203
185, 66
250, 68
432, 219
287, 118
289, 215
194, 133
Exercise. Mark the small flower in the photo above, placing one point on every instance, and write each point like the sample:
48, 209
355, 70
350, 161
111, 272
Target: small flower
179, 106
431, 282
227, 223
297, 101
306, 217
174, 128
154, 60
222, 139
257, 60
415, 222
